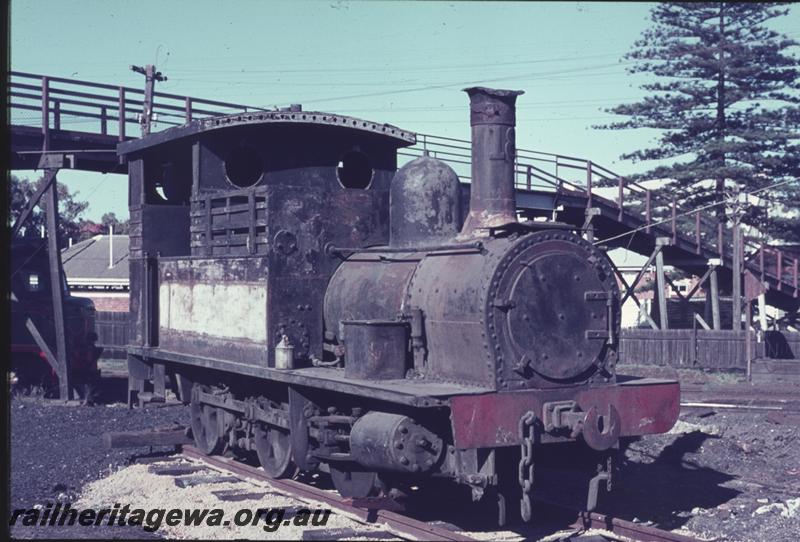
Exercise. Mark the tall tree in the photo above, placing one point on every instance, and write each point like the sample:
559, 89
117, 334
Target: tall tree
69, 208
724, 97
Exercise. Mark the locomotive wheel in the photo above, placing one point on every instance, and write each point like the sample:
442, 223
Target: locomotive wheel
206, 426
356, 483
274, 449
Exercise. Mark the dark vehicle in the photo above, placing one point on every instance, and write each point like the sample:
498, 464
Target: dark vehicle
32, 299
326, 310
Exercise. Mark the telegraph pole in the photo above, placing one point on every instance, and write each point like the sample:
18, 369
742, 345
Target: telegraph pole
150, 78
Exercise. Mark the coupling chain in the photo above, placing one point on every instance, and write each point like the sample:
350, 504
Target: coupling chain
525, 473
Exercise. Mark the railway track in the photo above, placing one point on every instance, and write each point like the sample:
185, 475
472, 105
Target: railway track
402, 525
571, 523
739, 400
369, 511
629, 530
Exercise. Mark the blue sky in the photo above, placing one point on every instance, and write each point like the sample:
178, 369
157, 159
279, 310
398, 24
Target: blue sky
399, 62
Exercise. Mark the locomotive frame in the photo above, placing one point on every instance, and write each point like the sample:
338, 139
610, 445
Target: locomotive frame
318, 306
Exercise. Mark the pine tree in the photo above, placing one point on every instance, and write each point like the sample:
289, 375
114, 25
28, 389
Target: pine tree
724, 97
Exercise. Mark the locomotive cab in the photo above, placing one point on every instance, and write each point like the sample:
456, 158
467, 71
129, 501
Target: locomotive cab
230, 219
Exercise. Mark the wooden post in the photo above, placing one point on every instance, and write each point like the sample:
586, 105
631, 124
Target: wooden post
151, 75
103, 120
121, 113
46, 113
159, 386
661, 287
145, 298
188, 109
736, 296
779, 268
647, 213
621, 197
794, 278
57, 289
588, 224
748, 346
528, 175
57, 115
761, 261
674, 221
715, 299
720, 246
42, 344
251, 233
589, 183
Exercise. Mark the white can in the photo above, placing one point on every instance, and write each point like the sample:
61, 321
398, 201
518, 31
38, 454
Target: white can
284, 354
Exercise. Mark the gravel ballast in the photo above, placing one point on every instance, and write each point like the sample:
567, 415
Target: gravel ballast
57, 449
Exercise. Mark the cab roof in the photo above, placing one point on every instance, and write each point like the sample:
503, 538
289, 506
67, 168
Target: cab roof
391, 134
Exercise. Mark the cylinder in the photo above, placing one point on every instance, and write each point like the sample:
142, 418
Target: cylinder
386, 441
492, 118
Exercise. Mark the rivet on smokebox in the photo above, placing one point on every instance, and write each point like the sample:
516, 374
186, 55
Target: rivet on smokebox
284, 354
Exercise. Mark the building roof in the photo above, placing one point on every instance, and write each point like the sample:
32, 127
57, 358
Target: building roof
87, 263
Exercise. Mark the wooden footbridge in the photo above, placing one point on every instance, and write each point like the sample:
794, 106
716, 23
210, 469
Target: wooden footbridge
59, 123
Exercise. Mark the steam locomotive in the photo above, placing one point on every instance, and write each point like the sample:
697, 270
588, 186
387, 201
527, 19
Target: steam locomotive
317, 305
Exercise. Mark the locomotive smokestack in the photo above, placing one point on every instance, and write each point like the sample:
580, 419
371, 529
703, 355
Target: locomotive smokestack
492, 117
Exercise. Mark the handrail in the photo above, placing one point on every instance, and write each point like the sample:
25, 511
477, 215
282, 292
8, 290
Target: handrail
80, 82
93, 101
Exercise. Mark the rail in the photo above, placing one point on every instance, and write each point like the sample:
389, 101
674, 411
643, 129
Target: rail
542, 171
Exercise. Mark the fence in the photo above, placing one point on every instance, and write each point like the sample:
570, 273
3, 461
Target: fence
112, 333
709, 349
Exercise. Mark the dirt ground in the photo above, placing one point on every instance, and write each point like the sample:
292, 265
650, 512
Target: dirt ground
57, 449
718, 474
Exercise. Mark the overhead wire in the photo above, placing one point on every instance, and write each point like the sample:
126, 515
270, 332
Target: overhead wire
395, 68
452, 84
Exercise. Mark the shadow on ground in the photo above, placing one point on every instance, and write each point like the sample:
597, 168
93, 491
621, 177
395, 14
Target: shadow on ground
663, 491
